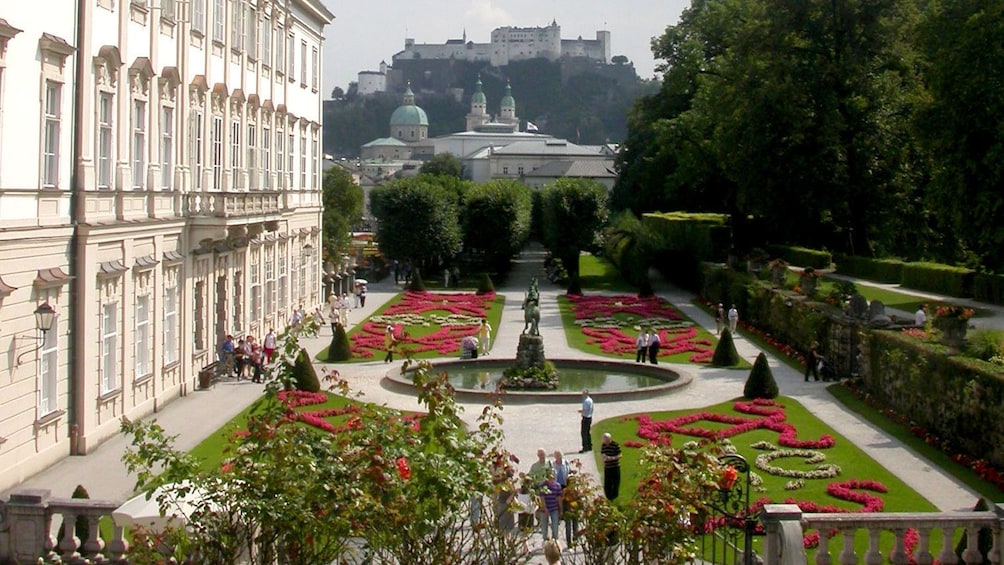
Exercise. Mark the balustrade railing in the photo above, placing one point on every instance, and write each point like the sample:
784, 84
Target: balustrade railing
916, 536
234, 204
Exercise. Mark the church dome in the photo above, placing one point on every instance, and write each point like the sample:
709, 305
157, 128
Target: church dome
508, 101
479, 95
408, 114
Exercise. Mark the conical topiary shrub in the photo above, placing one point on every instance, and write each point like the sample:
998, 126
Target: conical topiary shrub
761, 383
304, 374
485, 284
80, 529
725, 353
339, 349
417, 284
574, 286
646, 290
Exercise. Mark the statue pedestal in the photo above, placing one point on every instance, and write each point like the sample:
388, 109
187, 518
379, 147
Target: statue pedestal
530, 352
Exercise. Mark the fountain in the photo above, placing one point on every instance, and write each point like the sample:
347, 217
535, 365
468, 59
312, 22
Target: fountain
540, 379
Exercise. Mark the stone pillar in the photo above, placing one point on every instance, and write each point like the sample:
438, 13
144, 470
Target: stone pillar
27, 526
783, 543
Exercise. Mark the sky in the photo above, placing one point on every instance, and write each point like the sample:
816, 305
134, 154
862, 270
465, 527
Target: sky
367, 32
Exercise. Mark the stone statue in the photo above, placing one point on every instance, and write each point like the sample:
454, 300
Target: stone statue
531, 309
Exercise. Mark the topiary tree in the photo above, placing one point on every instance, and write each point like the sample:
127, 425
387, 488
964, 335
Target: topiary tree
485, 284
761, 383
725, 353
646, 290
339, 349
80, 529
304, 375
417, 284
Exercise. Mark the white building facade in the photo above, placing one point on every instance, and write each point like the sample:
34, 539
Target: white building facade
160, 188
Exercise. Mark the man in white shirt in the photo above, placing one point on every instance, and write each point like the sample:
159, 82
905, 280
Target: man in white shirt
587, 421
920, 318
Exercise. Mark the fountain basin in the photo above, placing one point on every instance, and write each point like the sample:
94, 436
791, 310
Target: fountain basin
606, 380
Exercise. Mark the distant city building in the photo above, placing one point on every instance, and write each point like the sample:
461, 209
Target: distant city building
372, 82
512, 44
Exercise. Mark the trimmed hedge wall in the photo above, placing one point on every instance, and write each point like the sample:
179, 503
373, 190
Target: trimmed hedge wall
988, 288
940, 278
959, 399
802, 256
881, 270
703, 235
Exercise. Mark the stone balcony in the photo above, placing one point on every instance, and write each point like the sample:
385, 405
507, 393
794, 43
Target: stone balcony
29, 518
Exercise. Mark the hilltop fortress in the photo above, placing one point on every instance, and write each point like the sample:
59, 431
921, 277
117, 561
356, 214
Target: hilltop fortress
512, 44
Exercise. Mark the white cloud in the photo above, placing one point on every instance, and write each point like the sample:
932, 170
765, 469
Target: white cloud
483, 12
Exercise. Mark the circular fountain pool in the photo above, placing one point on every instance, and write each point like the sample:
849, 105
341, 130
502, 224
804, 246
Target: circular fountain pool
604, 379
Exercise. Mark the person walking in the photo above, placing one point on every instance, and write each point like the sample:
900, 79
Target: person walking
733, 320
812, 361
551, 506
562, 470
362, 296
389, 341
653, 347
641, 345
587, 422
720, 319
611, 453
269, 344
484, 336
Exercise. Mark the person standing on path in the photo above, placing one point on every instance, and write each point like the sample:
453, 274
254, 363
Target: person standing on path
362, 296
642, 346
720, 319
587, 422
389, 341
611, 453
733, 320
270, 342
484, 336
653, 348
812, 361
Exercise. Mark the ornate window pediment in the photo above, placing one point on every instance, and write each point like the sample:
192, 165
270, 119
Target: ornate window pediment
7, 32
219, 97
169, 81
106, 66
140, 73
197, 91
54, 50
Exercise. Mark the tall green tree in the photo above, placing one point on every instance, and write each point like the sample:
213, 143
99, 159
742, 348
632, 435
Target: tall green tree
418, 220
960, 126
343, 207
442, 164
496, 218
574, 212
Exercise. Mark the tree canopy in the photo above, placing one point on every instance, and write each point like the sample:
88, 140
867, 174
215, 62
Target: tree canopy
574, 211
343, 207
418, 220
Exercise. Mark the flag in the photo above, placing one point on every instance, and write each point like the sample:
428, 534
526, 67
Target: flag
531, 127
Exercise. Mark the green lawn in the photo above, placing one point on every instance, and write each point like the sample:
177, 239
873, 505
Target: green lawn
890, 298
596, 274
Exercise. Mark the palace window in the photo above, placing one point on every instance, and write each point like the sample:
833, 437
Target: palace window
266, 158
166, 147
141, 339
48, 370
109, 347
106, 117
171, 324
51, 133
217, 152
235, 154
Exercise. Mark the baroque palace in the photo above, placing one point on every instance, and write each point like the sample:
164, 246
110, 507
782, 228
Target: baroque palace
160, 188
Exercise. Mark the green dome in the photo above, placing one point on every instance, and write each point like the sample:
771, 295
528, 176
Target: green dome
479, 96
409, 115
507, 100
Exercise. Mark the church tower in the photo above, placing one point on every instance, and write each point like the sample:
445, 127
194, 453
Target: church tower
479, 107
507, 114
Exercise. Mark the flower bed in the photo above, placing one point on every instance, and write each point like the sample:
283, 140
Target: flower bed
606, 321
424, 322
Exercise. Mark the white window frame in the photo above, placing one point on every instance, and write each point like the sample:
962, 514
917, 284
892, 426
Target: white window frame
291, 151
291, 58
269, 280
255, 283
266, 157
252, 27
283, 278
314, 62
294, 273
280, 51
303, 160
170, 324
199, 316
235, 154
303, 62
52, 116
167, 147
217, 152
266, 41
280, 171
109, 347
219, 20
142, 344
252, 162
315, 152
48, 372
104, 157
198, 16
138, 150
197, 150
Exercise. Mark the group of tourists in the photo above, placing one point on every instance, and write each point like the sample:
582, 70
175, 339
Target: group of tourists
247, 358
648, 344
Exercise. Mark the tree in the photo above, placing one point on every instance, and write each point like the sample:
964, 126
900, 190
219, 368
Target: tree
574, 212
337, 93
442, 164
418, 220
343, 206
496, 219
619, 60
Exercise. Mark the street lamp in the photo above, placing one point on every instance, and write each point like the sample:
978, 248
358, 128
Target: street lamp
45, 316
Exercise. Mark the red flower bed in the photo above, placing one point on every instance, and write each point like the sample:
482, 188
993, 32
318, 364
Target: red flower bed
466, 308
317, 418
596, 316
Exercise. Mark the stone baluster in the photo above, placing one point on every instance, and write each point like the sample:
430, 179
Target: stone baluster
923, 552
118, 546
783, 542
947, 556
847, 556
823, 556
899, 556
68, 544
873, 556
26, 525
971, 555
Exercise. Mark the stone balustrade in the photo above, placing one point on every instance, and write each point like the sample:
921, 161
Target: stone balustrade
234, 204
785, 525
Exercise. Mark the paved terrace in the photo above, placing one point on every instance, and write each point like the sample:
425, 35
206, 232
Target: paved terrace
527, 425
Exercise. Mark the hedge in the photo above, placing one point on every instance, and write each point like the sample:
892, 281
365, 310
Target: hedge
802, 256
939, 278
704, 235
880, 270
988, 288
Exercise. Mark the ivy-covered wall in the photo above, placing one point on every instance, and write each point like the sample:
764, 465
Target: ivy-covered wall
959, 399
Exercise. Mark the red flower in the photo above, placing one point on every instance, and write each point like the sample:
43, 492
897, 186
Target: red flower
728, 478
403, 470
